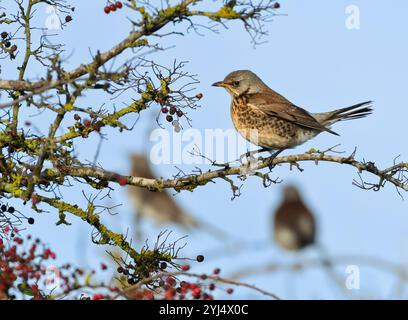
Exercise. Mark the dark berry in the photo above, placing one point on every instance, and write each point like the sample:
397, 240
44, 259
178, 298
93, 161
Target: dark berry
173, 110
165, 110
180, 113
169, 118
77, 117
11, 210
13, 48
217, 271
199, 96
200, 258
230, 290
3, 208
68, 19
211, 286
107, 9
276, 5
30, 220
120, 270
7, 44
163, 265
4, 35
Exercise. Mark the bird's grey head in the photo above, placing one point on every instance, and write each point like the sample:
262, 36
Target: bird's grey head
291, 194
241, 82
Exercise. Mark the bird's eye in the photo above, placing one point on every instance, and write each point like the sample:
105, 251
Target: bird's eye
235, 84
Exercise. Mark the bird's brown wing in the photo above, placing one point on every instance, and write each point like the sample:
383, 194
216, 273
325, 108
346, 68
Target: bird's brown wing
273, 104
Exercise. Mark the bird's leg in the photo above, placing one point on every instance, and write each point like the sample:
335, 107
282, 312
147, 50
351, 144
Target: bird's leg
272, 157
250, 154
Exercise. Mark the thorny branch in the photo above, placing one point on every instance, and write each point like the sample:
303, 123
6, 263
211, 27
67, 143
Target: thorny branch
38, 164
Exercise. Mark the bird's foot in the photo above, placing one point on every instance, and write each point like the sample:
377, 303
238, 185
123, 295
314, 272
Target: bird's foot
273, 156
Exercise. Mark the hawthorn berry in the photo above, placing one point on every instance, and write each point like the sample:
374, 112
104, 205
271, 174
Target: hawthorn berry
118, 4
169, 118
7, 44
180, 113
11, 210
34, 200
3, 208
112, 7
122, 181
119, 270
68, 19
163, 265
217, 271
4, 35
87, 123
230, 290
165, 110
200, 258
13, 48
104, 266
276, 5
173, 110
107, 9
185, 267
211, 286
31, 220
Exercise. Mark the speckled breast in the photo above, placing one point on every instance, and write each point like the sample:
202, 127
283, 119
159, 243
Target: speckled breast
264, 130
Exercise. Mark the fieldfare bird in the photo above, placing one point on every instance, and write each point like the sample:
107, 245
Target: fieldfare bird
160, 206
294, 224
267, 119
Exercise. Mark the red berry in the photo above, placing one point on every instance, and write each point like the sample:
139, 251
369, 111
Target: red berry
87, 123
122, 181
230, 290
118, 4
34, 200
169, 294
185, 267
107, 9
211, 286
217, 271
112, 7
165, 110
104, 266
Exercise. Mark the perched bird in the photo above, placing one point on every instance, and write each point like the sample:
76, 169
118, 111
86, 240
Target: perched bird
161, 206
267, 119
294, 224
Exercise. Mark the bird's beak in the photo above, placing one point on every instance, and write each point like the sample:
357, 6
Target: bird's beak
219, 84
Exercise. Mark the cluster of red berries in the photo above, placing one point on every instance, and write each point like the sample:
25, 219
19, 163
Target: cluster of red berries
6, 43
112, 6
24, 271
89, 124
21, 268
172, 112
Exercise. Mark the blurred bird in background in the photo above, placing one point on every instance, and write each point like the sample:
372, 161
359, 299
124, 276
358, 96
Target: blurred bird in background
294, 224
294, 229
161, 206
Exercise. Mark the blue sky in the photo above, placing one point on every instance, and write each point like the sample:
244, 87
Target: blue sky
315, 61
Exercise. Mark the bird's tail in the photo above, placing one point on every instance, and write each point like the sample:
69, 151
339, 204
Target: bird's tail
356, 111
